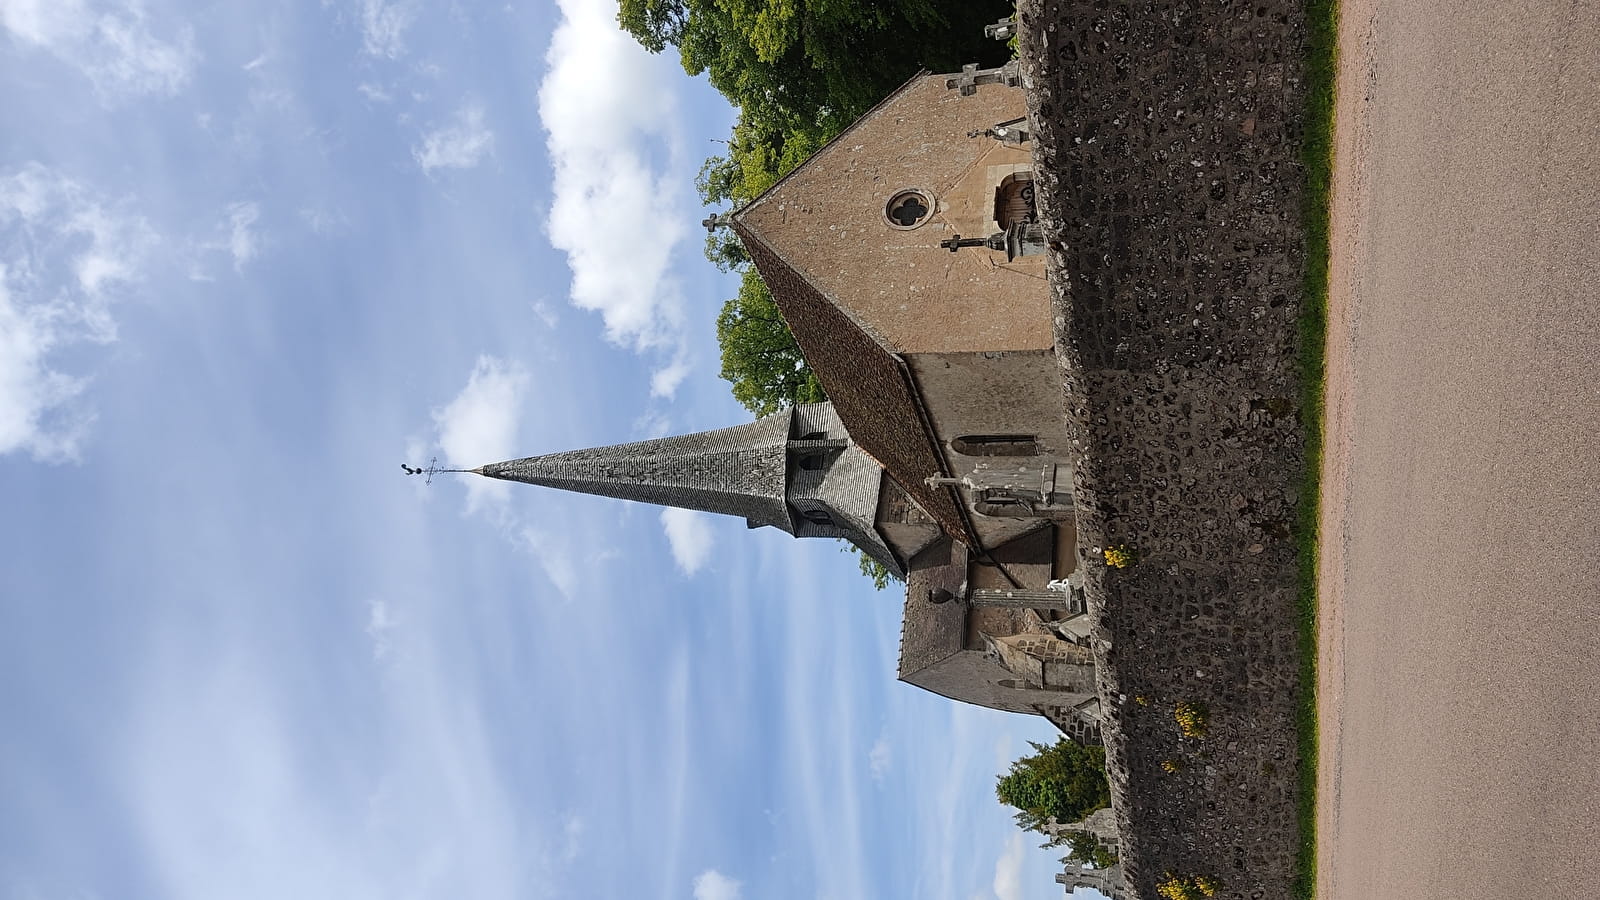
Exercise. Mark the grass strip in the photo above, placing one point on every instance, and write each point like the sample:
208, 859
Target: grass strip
1322, 26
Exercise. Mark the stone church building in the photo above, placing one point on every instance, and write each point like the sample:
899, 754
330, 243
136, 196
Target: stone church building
905, 260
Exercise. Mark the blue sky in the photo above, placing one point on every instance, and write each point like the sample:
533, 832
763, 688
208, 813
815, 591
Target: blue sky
252, 257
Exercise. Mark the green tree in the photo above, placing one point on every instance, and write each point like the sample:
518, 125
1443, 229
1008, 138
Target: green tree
759, 354
1064, 782
1083, 846
876, 572
812, 61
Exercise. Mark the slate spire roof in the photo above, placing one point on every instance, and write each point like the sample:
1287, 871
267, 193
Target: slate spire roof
738, 471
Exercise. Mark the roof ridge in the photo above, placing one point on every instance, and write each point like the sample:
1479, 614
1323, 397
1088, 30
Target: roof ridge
749, 234
793, 294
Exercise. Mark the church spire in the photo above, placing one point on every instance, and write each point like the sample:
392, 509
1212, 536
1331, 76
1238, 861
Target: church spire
796, 470
739, 471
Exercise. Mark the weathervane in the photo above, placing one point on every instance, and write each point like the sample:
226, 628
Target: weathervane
433, 469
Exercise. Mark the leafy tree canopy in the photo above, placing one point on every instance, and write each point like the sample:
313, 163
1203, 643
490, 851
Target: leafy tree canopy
759, 354
875, 571
813, 59
1064, 782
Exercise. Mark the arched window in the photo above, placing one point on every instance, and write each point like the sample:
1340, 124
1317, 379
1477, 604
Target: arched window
1013, 200
996, 445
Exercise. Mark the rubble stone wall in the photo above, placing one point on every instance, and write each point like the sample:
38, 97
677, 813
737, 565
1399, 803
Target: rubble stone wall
1170, 189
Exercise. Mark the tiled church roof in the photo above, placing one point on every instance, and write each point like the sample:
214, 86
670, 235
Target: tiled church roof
931, 632
871, 388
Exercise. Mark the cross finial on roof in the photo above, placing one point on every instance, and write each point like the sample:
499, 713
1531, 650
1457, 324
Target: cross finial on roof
433, 468
970, 76
713, 222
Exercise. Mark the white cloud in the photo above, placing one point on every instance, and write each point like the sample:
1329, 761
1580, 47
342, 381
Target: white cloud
480, 425
664, 381
381, 622
221, 732
242, 243
323, 221
880, 757
110, 42
235, 235
34, 399
1008, 870
689, 533
572, 833
545, 313
713, 885
610, 113
652, 424
557, 556
373, 92
460, 145
384, 26
64, 255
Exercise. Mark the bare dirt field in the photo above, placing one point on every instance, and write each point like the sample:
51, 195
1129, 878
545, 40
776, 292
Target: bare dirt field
1460, 669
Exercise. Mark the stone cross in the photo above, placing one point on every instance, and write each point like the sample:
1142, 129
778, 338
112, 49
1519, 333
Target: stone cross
956, 242
1014, 132
1002, 30
713, 222
1021, 239
971, 76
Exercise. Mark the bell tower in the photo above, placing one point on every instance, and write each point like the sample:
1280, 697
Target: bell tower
795, 470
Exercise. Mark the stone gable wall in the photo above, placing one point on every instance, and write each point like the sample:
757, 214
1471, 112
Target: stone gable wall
993, 392
827, 220
974, 676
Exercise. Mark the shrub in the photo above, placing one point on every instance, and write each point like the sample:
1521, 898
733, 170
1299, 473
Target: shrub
1119, 557
1191, 719
1188, 887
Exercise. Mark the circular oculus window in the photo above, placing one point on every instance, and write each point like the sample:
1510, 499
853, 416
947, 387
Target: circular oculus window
908, 209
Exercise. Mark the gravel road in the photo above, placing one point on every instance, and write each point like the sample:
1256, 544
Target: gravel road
1460, 670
